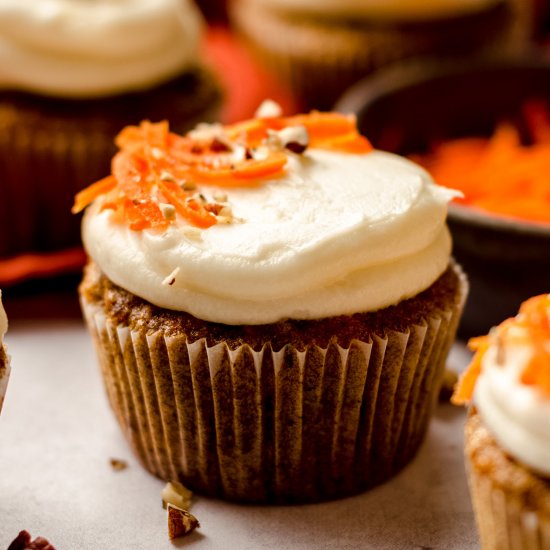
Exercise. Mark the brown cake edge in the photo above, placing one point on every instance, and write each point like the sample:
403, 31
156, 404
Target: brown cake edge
126, 309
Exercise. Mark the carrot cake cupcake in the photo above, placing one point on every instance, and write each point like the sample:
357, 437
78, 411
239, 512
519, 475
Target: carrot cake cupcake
507, 435
322, 47
72, 75
272, 303
4, 359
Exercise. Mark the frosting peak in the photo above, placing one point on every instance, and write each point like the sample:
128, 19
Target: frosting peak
88, 49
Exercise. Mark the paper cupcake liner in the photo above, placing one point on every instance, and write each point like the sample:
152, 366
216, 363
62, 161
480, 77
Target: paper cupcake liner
273, 425
5, 371
511, 504
43, 169
47, 155
321, 58
503, 521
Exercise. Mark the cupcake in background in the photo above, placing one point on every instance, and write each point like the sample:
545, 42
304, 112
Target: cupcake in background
72, 74
272, 303
321, 47
4, 359
507, 437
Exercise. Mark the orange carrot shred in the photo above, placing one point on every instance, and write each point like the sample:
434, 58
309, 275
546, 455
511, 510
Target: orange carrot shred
534, 321
465, 387
499, 174
92, 192
188, 210
153, 163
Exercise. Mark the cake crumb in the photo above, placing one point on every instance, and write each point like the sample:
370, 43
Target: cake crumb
180, 522
117, 464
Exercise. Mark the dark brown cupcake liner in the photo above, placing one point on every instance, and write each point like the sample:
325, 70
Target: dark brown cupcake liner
51, 148
284, 425
321, 58
506, 501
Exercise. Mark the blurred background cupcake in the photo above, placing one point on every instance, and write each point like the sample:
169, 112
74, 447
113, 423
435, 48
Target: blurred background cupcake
322, 47
71, 75
507, 441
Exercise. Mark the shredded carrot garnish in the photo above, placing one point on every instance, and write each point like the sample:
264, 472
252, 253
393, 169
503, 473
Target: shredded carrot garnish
535, 314
155, 166
500, 174
533, 320
466, 384
86, 196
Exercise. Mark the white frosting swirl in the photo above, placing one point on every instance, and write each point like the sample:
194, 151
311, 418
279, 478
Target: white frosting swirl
75, 48
517, 415
382, 9
337, 234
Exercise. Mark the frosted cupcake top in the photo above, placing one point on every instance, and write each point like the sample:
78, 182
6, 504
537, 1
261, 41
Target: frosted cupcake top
269, 219
382, 9
76, 48
511, 374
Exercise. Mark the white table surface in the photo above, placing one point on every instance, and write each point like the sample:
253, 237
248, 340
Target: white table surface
57, 435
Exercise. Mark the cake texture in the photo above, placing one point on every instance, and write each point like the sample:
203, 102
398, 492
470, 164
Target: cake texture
258, 350
73, 75
506, 438
4, 359
321, 48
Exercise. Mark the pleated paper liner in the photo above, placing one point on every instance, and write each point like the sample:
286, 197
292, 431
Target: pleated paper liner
507, 517
319, 58
50, 149
274, 425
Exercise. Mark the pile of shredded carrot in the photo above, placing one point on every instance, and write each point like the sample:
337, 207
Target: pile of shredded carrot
500, 174
534, 320
155, 167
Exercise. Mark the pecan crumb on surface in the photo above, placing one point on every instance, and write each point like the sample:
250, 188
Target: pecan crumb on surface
118, 464
180, 522
24, 541
176, 494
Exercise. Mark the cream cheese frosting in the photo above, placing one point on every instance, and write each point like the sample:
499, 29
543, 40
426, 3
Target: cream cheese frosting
75, 48
516, 414
382, 9
337, 234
